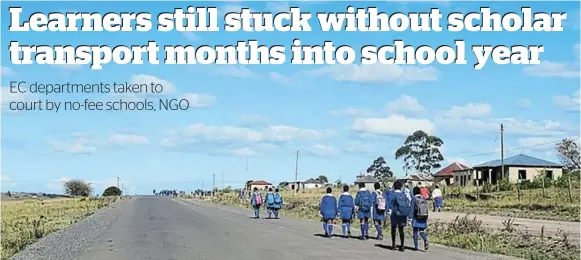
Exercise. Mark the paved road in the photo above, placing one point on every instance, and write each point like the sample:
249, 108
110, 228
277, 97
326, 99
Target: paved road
162, 228
533, 226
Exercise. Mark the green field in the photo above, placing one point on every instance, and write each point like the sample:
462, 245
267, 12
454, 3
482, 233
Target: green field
26, 221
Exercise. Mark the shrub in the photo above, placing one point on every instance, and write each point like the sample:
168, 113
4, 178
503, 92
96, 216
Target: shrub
112, 191
77, 188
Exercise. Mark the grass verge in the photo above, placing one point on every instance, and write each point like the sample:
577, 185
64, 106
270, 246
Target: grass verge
464, 232
26, 221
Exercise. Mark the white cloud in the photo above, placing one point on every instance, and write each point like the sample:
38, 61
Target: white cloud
139, 79
511, 125
524, 103
404, 103
352, 112
123, 139
285, 80
6, 181
358, 147
470, 110
243, 135
322, 150
537, 143
7, 71
397, 125
567, 103
199, 100
277, 7
7, 96
75, 147
191, 36
551, 69
234, 71
378, 73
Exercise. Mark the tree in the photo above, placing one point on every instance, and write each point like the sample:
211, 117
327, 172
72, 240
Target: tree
77, 188
323, 179
112, 191
338, 183
568, 153
421, 152
380, 170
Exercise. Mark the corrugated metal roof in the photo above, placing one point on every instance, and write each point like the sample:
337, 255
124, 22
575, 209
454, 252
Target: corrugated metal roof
366, 179
260, 183
313, 181
520, 160
449, 170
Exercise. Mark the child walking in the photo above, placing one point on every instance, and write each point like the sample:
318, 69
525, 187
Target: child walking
256, 202
328, 211
346, 210
419, 216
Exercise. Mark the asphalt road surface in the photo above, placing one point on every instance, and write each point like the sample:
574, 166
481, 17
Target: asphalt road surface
162, 228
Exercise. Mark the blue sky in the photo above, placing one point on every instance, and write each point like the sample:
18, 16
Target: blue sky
338, 120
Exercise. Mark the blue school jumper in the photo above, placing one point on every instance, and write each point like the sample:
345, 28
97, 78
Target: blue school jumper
419, 226
396, 220
362, 214
346, 209
377, 215
328, 210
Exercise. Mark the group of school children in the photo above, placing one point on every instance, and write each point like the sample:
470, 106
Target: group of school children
272, 201
400, 203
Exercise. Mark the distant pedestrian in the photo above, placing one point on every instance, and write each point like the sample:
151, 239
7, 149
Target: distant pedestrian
364, 204
438, 199
407, 191
278, 202
256, 202
269, 198
379, 201
419, 216
328, 211
346, 210
400, 210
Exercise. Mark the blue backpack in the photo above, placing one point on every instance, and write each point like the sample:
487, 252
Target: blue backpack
277, 199
365, 201
269, 198
400, 205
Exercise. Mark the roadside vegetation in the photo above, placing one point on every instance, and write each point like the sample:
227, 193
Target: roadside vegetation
464, 232
23, 222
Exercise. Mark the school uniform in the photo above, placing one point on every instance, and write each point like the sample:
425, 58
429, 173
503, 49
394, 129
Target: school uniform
361, 214
269, 199
276, 206
378, 215
419, 226
346, 209
254, 205
438, 199
328, 211
397, 222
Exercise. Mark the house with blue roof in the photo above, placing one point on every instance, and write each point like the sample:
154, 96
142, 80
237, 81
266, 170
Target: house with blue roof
516, 168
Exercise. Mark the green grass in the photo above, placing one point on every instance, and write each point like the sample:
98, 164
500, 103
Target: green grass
26, 221
466, 233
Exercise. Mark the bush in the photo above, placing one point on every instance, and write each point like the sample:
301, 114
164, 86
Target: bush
77, 188
112, 191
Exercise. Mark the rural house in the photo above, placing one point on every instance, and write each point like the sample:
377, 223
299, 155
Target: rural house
418, 180
312, 184
368, 180
261, 185
446, 175
465, 177
291, 185
517, 168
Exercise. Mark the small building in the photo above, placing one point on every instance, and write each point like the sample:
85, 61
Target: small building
418, 180
312, 184
291, 185
261, 185
368, 180
465, 177
446, 175
516, 168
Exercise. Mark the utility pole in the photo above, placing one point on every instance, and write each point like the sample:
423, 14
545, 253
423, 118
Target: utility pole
297, 171
118, 187
501, 156
222, 180
213, 182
